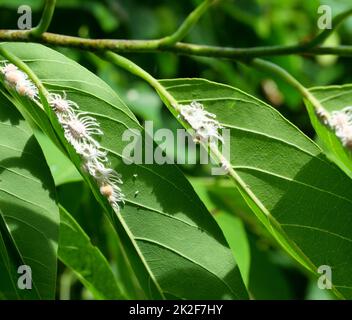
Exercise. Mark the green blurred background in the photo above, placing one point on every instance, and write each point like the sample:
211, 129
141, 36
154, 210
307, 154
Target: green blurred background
268, 272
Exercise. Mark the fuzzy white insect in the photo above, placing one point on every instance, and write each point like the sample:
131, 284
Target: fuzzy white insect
18, 80
345, 135
341, 119
8, 67
91, 153
12, 74
209, 131
341, 122
27, 88
61, 105
80, 129
196, 116
113, 194
15, 76
203, 122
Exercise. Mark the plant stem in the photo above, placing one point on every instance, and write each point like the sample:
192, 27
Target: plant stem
187, 24
138, 71
274, 69
45, 19
143, 46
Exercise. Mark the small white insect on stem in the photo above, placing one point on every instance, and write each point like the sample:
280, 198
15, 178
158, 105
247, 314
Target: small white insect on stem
18, 80
113, 193
80, 129
61, 106
203, 122
340, 122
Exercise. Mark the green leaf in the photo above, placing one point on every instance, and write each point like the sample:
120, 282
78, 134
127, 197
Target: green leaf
231, 225
61, 168
332, 98
235, 235
77, 252
262, 272
301, 197
29, 217
171, 240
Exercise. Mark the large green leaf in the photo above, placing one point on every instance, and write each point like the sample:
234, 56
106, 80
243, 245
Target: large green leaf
29, 217
333, 98
77, 252
173, 243
301, 197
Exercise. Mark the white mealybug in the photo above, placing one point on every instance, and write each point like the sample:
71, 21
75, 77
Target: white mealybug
15, 76
113, 194
345, 135
341, 123
61, 105
106, 175
91, 153
341, 119
19, 81
209, 131
80, 129
12, 74
203, 122
27, 88
106, 190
